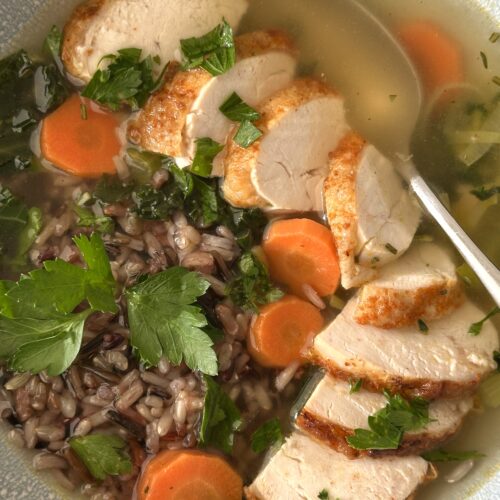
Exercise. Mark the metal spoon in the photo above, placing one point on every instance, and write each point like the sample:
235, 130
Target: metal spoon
397, 144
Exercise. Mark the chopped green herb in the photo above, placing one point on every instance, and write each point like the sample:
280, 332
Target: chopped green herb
450, 456
247, 134
238, 111
86, 218
125, 80
422, 326
206, 151
103, 454
392, 97
50, 89
267, 435
252, 287
214, 51
165, 322
496, 80
323, 494
484, 59
494, 37
110, 189
220, 419
388, 425
475, 328
391, 249
485, 193
38, 329
355, 385
83, 111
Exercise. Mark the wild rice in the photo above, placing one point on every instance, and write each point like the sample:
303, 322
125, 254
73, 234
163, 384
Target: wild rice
165, 422
226, 317
16, 437
153, 379
68, 405
286, 375
30, 432
50, 433
17, 381
45, 460
180, 411
130, 396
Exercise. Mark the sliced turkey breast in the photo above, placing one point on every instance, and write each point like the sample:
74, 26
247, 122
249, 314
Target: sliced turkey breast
302, 468
286, 167
187, 107
101, 27
370, 212
446, 361
423, 284
332, 413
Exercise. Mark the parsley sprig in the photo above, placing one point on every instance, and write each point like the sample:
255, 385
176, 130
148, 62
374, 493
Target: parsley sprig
165, 322
450, 456
388, 425
238, 111
475, 328
125, 80
102, 454
214, 51
39, 329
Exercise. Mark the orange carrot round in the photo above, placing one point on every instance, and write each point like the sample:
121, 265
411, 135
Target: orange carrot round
189, 475
79, 139
436, 55
282, 330
302, 252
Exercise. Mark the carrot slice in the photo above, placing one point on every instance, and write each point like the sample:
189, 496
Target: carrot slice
282, 330
82, 147
438, 57
189, 475
301, 251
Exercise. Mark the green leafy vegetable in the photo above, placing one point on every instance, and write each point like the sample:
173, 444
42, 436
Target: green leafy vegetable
220, 420
164, 321
267, 435
126, 80
214, 51
238, 111
87, 218
475, 328
110, 189
450, 456
252, 288
206, 151
50, 89
485, 193
19, 227
103, 454
323, 494
422, 326
247, 134
388, 425
355, 385
38, 329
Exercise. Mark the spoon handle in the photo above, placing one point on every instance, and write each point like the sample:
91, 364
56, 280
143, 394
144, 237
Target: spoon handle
482, 266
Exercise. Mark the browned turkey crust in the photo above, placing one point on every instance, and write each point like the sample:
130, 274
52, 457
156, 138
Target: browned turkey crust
239, 162
159, 127
340, 204
74, 31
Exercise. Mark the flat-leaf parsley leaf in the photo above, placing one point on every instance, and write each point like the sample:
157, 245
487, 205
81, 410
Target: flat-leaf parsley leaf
103, 455
267, 435
164, 322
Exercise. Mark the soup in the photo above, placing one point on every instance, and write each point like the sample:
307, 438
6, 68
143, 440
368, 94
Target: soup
151, 224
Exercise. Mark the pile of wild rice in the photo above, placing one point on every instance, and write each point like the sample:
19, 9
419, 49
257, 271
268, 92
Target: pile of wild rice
106, 389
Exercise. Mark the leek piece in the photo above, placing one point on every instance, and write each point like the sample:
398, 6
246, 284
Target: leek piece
489, 391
